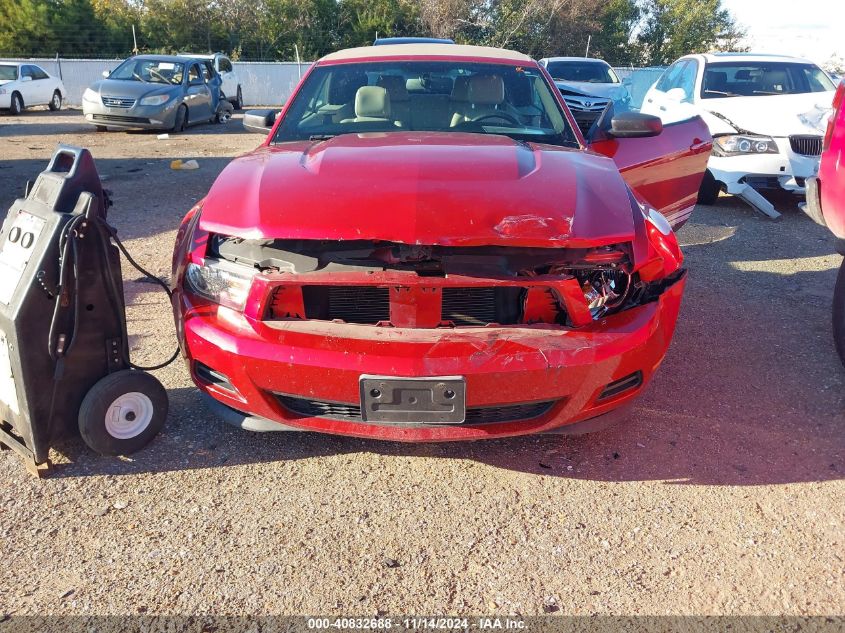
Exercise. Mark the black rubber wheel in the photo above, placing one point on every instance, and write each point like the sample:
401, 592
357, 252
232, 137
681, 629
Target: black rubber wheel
839, 313
56, 101
16, 106
122, 412
239, 100
181, 118
710, 189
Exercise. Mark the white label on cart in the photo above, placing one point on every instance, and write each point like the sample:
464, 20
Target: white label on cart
8, 391
17, 249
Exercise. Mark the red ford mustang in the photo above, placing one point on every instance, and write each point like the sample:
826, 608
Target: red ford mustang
426, 248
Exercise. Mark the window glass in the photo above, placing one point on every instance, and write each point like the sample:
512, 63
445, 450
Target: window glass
26, 71
686, 80
441, 96
669, 78
225, 65
584, 71
8, 72
752, 79
149, 71
194, 73
38, 73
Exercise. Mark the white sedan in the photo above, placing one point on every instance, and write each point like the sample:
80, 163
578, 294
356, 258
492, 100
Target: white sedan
24, 85
767, 115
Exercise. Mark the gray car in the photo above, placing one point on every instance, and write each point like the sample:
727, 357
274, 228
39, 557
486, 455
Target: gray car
165, 92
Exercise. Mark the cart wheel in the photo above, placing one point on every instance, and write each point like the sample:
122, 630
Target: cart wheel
122, 412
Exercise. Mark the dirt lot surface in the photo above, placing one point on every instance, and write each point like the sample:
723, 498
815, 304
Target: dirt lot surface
723, 495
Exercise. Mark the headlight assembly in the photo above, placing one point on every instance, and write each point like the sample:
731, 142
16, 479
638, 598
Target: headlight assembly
743, 145
155, 100
90, 96
226, 284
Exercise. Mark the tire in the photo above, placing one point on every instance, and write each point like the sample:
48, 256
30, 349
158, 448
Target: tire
122, 412
16, 106
181, 119
238, 103
839, 313
710, 189
56, 101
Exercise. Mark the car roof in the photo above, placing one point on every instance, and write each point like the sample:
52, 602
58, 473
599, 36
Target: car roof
452, 51
575, 59
203, 55
748, 57
166, 58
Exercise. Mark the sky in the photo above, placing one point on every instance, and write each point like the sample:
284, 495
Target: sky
814, 29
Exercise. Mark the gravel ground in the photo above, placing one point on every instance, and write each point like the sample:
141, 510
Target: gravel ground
723, 495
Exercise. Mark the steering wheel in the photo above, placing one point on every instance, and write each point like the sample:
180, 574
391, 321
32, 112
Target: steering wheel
497, 115
159, 75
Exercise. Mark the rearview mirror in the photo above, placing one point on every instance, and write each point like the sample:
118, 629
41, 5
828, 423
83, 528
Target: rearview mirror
259, 121
635, 125
106, 73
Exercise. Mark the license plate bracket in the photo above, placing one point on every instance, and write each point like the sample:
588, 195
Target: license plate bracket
435, 400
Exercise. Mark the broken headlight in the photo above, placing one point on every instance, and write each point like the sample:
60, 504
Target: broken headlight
743, 144
226, 284
604, 290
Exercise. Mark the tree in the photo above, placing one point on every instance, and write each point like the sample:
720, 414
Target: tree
673, 28
27, 30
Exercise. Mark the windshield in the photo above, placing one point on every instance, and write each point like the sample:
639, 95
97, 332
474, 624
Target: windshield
436, 96
8, 73
149, 71
751, 79
588, 72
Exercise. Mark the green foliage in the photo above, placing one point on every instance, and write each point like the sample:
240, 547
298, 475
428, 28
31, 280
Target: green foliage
621, 31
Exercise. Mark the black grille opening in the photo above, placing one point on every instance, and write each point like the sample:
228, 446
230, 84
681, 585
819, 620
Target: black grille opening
618, 387
365, 305
475, 415
806, 144
119, 118
481, 306
212, 377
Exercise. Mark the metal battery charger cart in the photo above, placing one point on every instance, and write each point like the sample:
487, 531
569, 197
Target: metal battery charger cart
64, 354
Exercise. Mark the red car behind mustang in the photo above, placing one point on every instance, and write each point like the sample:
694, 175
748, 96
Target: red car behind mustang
426, 248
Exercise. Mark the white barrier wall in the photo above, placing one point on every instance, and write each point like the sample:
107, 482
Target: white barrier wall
267, 83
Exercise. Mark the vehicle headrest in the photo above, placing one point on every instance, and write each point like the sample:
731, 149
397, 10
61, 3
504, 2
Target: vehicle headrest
372, 102
743, 75
460, 89
518, 91
486, 90
395, 86
715, 80
344, 87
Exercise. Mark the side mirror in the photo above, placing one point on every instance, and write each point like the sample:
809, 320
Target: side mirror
26, 78
635, 125
259, 121
106, 74
676, 94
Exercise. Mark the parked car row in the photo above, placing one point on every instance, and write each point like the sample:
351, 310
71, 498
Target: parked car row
168, 92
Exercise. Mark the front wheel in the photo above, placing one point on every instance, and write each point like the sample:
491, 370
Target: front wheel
16, 106
710, 189
181, 118
239, 100
122, 412
56, 101
839, 313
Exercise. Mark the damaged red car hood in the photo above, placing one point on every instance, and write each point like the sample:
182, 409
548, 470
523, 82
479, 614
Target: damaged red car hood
450, 189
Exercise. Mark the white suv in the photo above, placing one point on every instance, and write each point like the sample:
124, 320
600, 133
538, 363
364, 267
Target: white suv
766, 113
231, 86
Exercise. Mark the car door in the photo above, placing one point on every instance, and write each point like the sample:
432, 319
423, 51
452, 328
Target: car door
230, 84
655, 101
664, 170
198, 95
43, 84
28, 87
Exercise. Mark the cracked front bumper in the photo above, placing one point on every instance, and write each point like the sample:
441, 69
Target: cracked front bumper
785, 170
257, 367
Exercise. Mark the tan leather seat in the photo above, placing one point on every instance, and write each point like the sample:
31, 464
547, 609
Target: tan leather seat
400, 100
372, 105
484, 94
